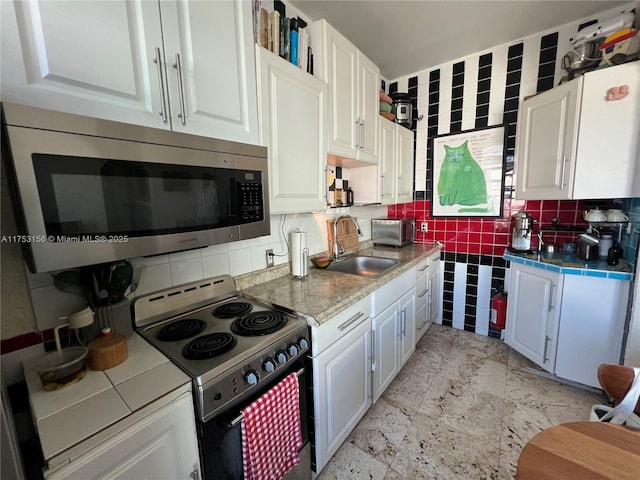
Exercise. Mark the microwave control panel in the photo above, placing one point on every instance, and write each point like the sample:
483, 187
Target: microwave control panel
250, 199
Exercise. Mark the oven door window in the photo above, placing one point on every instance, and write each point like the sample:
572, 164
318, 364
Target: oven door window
94, 196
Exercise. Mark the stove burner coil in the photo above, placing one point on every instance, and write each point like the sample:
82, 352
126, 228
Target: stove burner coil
232, 309
208, 346
181, 329
258, 323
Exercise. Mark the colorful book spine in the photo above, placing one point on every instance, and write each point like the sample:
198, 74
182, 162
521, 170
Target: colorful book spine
274, 32
293, 43
285, 39
264, 28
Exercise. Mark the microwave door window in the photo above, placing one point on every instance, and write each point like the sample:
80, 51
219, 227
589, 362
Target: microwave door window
88, 196
72, 203
126, 198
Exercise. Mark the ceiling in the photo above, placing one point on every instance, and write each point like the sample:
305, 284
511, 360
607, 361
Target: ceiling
403, 37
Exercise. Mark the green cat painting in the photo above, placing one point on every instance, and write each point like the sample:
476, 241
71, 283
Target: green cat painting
462, 181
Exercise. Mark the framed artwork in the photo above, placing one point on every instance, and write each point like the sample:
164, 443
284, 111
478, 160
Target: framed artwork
467, 177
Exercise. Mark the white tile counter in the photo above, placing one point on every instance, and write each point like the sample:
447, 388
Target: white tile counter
102, 403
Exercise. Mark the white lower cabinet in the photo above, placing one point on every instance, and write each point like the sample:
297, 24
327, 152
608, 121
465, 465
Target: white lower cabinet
160, 445
433, 283
341, 349
393, 325
567, 324
427, 294
533, 310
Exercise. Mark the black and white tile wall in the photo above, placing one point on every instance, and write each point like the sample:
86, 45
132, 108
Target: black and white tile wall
476, 91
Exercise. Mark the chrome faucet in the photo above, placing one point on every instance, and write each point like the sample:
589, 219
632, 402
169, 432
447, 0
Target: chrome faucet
336, 245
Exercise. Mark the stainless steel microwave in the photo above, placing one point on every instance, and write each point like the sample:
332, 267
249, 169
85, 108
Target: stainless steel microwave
393, 231
89, 191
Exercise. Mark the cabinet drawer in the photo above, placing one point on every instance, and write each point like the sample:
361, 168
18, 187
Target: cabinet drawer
332, 330
421, 268
393, 290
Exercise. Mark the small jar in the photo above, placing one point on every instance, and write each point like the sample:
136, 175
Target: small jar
349, 196
606, 242
614, 254
569, 247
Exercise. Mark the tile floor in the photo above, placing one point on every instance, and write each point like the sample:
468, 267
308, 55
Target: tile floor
461, 408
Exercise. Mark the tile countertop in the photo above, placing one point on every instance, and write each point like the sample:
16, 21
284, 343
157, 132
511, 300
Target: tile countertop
67, 417
572, 265
323, 293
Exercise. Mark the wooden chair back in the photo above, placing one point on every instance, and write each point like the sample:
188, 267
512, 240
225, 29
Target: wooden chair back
616, 381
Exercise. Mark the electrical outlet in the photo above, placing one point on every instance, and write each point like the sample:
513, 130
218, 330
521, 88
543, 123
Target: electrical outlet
269, 254
424, 227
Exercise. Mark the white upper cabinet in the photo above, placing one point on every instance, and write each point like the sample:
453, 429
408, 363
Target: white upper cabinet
187, 66
387, 165
354, 84
368, 109
293, 106
404, 165
574, 143
396, 163
210, 68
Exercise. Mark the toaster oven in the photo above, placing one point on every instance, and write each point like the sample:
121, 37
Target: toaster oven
393, 231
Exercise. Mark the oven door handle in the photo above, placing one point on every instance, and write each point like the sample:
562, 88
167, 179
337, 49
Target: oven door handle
233, 423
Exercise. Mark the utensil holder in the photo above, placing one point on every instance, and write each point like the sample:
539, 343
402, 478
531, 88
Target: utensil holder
117, 317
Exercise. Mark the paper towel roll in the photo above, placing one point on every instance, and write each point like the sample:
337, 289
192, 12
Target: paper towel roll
298, 258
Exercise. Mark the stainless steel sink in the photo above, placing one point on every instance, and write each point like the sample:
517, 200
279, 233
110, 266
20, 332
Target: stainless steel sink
363, 266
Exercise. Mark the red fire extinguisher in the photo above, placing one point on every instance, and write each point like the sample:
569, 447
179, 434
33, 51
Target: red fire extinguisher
498, 311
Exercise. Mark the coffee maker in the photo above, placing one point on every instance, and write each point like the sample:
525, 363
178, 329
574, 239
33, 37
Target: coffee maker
522, 229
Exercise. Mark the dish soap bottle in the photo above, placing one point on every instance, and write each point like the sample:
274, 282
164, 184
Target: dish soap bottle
614, 254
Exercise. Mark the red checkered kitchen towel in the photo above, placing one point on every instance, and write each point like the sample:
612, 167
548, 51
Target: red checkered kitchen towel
271, 435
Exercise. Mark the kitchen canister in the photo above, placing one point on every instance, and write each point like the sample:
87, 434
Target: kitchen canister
606, 242
299, 254
108, 351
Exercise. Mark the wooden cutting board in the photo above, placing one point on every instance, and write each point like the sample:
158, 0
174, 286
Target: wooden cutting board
581, 450
347, 235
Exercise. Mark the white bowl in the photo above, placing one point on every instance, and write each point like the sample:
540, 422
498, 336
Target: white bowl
595, 216
615, 215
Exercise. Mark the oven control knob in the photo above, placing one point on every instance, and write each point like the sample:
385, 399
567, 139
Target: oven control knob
293, 349
252, 377
304, 344
282, 357
269, 365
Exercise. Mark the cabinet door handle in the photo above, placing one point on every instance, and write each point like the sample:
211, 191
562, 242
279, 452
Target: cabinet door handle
546, 344
404, 322
195, 475
372, 374
551, 297
423, 293
424, 268
163, 96
565, 159
178, 67
346, 324
326, 179
362, 134
358, 133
